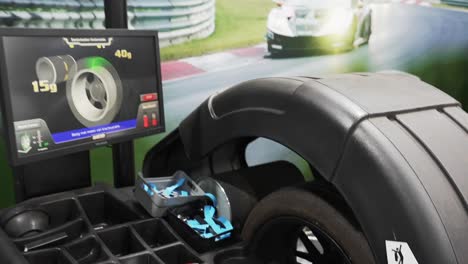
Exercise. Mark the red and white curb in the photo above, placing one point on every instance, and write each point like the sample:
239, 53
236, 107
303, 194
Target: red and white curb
172, 70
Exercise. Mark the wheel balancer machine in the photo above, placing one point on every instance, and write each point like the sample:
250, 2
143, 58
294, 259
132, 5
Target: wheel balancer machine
388, 153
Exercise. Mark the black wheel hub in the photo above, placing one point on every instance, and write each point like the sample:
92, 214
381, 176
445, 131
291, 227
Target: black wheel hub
293, 240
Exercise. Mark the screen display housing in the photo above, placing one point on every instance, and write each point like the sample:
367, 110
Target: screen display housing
6, 104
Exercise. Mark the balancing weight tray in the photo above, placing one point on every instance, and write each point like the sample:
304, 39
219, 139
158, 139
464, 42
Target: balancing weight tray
99, 224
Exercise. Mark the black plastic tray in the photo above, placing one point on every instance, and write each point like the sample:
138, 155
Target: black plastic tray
95, 226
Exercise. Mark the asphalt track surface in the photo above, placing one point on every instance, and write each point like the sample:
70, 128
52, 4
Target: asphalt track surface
402, 35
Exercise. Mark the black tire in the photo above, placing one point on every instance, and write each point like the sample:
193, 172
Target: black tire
310, 208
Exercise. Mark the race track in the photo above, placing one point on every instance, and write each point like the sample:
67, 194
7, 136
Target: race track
429, 42
404, 36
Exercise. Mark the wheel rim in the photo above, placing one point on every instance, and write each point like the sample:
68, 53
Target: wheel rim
94, 93
294, 240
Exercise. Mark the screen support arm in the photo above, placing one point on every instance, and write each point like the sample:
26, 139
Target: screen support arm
123, 153
116, 13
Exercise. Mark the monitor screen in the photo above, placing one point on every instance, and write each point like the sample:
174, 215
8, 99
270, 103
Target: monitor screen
65, 91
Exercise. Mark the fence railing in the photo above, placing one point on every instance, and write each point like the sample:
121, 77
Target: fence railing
463, 3
176, 20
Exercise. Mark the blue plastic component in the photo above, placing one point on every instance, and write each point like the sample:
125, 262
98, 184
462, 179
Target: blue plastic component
223, 236
169, 190
207, 227
147, 189
154, 187
211, 228
212, 197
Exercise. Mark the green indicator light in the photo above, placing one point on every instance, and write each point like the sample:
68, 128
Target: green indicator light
96, 62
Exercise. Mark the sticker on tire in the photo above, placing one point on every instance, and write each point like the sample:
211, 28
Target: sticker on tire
399, 253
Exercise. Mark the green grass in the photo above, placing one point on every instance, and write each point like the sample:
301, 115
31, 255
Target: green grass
446, 71
461, 8
239, 23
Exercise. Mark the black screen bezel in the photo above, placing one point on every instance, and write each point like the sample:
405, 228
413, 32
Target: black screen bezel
6, 104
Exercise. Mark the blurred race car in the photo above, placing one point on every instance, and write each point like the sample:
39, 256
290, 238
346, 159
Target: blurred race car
318, 25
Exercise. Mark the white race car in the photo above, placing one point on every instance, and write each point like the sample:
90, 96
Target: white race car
318, 25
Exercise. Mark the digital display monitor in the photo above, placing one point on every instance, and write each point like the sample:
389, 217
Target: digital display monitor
65, 91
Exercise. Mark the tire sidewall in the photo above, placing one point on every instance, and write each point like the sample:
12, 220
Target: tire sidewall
313, 209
